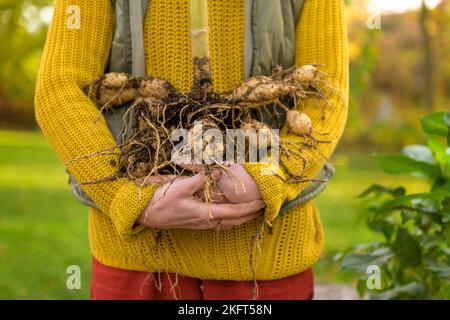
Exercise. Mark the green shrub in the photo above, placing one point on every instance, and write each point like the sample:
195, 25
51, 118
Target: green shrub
413, 260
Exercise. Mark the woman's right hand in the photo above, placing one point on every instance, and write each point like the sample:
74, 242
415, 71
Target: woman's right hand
174, 205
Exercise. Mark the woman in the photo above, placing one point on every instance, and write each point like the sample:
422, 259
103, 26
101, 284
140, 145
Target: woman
136, 232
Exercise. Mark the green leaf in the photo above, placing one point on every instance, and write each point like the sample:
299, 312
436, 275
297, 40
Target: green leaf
412, 290
447, 122
361, 287
379, 225
427, 205
444, 291
441, 271
425, 220
407, 215
419, 153
359, 262
434, 123
446, 218
406, 200
447, 119
446, 210
446, 204
398, 192
442, 184
338, 256
379, 189
407, 247
446, 233
398, 164
429, 242
440, 151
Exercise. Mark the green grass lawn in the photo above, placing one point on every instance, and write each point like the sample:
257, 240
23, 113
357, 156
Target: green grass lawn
43, 230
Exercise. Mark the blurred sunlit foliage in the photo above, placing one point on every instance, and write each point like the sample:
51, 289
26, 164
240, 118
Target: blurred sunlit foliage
390, 78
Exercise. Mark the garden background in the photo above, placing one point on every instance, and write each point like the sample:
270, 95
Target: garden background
400, 70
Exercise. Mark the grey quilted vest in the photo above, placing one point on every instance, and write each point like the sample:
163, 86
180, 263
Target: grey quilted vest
269, 41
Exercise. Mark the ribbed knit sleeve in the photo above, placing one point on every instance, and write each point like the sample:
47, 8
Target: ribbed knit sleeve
322, 39
72, 57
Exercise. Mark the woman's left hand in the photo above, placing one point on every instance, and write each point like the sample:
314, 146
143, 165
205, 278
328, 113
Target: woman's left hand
236, 185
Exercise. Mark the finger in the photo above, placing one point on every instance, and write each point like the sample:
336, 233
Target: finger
230, 210
216, 174
197, 182
215, 197
191, 185
195, 168
227, 224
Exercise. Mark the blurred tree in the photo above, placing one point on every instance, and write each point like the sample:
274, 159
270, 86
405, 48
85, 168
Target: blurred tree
396, 73
439, 25
23, 26
428, 64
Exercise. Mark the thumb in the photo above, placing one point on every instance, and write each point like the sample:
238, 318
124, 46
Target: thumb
196, 183
192, 184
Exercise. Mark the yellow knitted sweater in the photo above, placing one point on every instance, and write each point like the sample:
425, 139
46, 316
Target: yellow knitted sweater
73, 57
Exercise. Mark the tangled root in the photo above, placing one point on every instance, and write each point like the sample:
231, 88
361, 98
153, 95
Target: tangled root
158, 109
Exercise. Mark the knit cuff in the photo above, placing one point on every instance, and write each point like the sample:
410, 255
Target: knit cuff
127, 205
270, 185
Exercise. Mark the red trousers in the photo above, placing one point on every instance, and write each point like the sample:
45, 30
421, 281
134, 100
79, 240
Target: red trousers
118, 284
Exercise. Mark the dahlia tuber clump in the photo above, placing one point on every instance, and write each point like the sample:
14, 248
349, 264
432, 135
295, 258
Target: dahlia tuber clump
158, 109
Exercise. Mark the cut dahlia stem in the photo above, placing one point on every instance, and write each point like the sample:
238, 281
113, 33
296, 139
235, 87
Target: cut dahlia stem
202, 84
